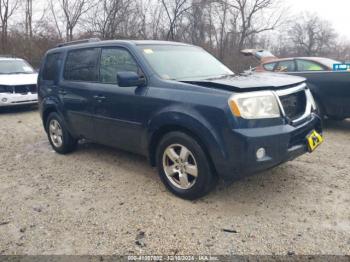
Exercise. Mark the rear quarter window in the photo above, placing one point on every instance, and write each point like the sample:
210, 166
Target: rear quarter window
82, 65
51, 67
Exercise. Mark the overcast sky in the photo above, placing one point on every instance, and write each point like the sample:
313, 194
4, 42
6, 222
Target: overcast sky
336, 11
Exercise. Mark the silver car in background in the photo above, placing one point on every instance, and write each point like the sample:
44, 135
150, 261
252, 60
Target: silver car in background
18, 82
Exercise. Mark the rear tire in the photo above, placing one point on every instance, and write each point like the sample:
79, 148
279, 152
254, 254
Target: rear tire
183, 166
59, 137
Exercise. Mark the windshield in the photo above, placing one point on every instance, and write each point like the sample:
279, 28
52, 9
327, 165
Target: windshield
177, 62
15, 67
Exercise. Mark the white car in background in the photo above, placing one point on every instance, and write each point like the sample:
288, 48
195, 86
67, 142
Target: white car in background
17, 82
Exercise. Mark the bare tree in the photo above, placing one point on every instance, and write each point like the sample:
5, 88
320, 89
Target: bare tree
223, 27
7, 9
111, 15
29, 18
250, 13
112, 19
342, 50
312, 35
72, 11
155, 24
174, 10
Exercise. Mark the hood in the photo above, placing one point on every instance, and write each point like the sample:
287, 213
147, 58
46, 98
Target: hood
18, 79
251, 82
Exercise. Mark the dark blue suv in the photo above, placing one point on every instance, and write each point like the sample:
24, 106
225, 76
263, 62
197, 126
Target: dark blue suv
176, 104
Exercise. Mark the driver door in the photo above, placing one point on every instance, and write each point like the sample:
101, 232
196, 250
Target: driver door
115, 108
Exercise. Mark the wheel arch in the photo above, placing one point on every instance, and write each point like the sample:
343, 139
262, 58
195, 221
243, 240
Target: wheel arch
161, 132
46, 112
50, 105
196, 127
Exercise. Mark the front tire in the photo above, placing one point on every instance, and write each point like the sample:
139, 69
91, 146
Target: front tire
59, 137
183, 166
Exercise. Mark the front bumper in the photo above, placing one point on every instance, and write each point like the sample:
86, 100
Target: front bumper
281, 143
18, 99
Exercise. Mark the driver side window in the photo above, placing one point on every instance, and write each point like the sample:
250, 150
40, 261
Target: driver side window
114, 60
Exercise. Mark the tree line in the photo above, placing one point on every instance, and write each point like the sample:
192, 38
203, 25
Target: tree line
223, 27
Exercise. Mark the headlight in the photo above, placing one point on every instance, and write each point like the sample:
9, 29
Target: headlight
255, 105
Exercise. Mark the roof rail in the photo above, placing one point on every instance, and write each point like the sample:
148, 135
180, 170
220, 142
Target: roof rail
82, 41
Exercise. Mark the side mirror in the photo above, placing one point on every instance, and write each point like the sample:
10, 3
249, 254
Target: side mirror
129, 78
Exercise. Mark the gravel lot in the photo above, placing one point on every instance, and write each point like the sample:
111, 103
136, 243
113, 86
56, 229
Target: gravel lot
99, 200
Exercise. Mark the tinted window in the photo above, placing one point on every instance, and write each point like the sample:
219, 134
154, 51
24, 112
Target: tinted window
286, 66
114, 60
305, 65
51, 67
81, 65
270, 66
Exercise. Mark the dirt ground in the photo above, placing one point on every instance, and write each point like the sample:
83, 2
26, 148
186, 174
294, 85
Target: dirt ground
99, 200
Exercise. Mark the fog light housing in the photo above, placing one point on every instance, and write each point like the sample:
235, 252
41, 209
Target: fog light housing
261, 153
4, 100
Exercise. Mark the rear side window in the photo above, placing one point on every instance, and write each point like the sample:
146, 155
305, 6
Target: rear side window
269, 66
51, 67
286, 66
114, 60
81, 65
305, 65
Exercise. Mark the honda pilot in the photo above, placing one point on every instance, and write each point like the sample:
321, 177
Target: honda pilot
193, 118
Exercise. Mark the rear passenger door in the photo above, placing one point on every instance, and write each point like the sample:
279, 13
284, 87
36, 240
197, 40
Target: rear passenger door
79, 77
115, 107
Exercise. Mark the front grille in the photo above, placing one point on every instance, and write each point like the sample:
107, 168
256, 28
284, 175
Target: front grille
294, 104
6, 89
25, 89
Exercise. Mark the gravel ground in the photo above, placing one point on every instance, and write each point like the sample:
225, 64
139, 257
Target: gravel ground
99, 200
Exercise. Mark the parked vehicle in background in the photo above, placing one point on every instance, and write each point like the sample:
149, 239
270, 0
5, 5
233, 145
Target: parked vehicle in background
331, 89
17, 82
175, 103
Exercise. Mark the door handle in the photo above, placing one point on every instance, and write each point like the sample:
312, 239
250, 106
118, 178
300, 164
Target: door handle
99, 98
62, 92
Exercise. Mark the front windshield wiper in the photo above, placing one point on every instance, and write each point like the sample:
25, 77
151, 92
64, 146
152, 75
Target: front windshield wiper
220, 76
184, 79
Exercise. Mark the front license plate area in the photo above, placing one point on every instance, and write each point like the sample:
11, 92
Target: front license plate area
314, 139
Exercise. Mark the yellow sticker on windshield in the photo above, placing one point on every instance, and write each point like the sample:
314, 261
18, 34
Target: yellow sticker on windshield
148, 51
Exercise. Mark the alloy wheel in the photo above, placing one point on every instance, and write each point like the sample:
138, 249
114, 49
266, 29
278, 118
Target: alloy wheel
55, 132
180, 166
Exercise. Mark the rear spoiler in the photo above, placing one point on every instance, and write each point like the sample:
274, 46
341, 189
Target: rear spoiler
261, 54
